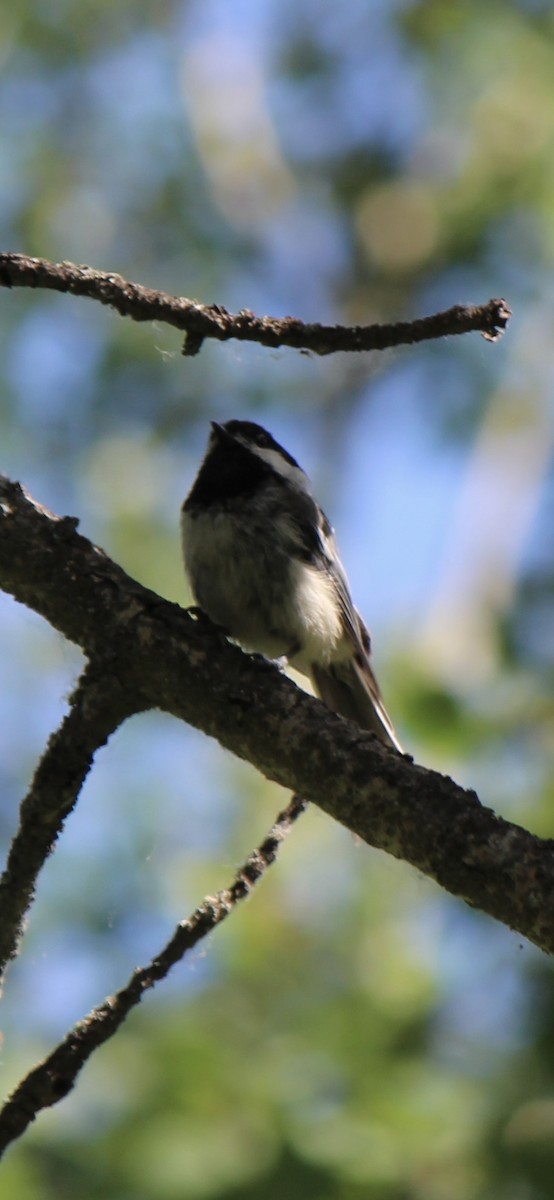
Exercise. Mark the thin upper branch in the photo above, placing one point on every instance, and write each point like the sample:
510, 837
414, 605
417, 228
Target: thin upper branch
200, 321
166, 659
53, 1078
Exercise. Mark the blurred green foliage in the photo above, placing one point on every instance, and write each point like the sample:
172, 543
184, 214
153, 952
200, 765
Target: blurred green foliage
350, 1032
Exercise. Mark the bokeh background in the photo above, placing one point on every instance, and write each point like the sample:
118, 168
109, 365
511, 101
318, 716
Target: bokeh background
351, 1032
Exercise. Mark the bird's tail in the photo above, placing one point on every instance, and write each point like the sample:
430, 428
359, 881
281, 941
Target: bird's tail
351, 689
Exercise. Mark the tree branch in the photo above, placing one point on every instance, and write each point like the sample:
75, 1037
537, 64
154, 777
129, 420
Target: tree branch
52, 1079
97, 707
200, 321
165, 658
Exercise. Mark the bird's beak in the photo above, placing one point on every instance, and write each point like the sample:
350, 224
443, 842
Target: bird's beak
220, 433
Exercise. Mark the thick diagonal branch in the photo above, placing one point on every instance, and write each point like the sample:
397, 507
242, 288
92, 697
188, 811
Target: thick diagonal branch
96, 708
200, 321
53, 1078
168, 660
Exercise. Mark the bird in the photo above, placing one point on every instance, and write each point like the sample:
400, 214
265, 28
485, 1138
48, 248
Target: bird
263, 564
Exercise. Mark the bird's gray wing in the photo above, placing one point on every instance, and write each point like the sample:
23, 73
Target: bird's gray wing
349, 687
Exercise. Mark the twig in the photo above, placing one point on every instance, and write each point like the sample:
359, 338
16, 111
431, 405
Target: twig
93, 715
52, 1079
201, 321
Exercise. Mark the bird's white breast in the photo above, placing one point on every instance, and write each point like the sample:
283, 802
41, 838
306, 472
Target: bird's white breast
275, 604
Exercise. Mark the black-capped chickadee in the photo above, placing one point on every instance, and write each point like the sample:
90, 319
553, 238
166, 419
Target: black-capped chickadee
263, 563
